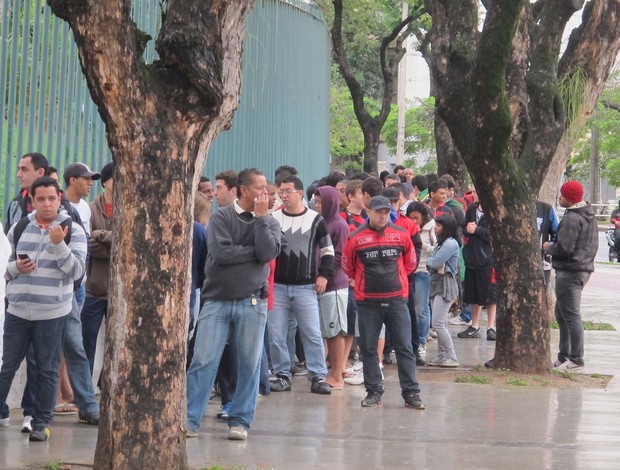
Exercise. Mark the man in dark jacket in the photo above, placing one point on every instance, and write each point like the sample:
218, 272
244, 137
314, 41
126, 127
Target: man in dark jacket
573, 260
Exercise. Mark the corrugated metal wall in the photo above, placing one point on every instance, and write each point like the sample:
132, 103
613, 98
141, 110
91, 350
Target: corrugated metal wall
284, 106
283, 117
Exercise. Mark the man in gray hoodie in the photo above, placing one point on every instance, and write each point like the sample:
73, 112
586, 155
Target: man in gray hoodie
573, 260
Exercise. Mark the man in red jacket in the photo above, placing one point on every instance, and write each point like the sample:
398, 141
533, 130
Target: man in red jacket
379, 256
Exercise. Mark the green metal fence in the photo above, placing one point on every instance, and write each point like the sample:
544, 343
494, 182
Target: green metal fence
284, 106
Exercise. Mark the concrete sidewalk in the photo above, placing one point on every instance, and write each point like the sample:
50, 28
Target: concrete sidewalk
465, 426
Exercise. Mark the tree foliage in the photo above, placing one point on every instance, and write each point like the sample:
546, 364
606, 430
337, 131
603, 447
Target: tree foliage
419, 135
606, 119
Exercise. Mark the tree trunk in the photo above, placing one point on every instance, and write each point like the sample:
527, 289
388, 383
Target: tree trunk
160, 121
448, 157
372, 139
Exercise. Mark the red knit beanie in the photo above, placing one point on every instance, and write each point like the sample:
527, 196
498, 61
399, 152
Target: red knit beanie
572, 191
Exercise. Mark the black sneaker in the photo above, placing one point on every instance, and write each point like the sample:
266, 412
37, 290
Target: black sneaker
387, 358
412, 400
90, 417
470, 332
39, 434
491, 335
419, 361
490, 364
281, 384
373, 399
321, 387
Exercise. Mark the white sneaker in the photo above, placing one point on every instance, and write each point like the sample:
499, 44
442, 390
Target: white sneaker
459, 321
237, 433
26, 425
569, 366
4, 422
190, 433
422, 350
381, 369
447, 362
356, 379
357, 367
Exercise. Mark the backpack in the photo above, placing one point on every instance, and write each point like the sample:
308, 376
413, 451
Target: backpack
23, 223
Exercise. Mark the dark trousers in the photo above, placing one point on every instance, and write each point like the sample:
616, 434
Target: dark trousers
397, 321
568, 288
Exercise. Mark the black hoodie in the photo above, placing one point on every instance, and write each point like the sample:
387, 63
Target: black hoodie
577, 240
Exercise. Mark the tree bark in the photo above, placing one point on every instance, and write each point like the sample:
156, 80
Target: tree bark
499, 97
160, 121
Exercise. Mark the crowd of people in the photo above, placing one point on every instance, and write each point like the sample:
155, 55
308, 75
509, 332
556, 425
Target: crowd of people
329, 281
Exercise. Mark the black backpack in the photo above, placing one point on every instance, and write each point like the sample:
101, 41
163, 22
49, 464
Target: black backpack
23, 223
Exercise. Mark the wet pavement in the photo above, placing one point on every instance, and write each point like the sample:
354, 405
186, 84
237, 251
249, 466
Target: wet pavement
465, 426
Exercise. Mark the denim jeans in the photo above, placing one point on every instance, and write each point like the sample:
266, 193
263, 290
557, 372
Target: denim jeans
300, 301
568, 287
395, 315
422, 282
78, 366
92, 315
45, 336
217, 321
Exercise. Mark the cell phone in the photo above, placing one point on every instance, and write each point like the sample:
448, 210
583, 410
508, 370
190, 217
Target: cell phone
23, 256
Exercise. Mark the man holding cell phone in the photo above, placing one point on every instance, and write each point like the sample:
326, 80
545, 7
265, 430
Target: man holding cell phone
42, 268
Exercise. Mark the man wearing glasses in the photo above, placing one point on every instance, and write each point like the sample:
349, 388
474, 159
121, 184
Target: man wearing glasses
308, 251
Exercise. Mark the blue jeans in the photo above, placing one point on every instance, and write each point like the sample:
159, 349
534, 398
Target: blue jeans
421, 299
45, 336
568, 287
92, 315
78, 365
396, 317
217, 321
300, 301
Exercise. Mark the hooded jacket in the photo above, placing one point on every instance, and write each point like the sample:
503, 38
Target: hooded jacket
47, 292
577, 240
338, 231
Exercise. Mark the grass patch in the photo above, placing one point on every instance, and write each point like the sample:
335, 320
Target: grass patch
565, 374
541, 380
597, 376
587, 325
516, 382
55, 465
473, 379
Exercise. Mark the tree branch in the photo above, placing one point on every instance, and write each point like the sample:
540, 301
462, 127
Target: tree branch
357, 92
610, 105
388, 69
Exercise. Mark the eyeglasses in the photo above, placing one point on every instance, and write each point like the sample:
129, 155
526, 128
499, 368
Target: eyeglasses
287, 192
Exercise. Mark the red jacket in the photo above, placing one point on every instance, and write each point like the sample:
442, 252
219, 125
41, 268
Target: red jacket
379, 263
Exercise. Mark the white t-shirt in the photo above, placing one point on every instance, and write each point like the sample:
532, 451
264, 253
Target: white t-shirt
83, 209
5, 252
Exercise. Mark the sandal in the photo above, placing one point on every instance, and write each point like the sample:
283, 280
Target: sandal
65, 409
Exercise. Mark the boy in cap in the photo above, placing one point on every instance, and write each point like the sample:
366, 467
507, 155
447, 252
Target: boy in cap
573, 260
379, 256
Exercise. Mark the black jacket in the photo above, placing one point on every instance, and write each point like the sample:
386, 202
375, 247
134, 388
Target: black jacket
577, 240
477, 250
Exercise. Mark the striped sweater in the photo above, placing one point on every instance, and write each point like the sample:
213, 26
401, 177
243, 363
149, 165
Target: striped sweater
47, 292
